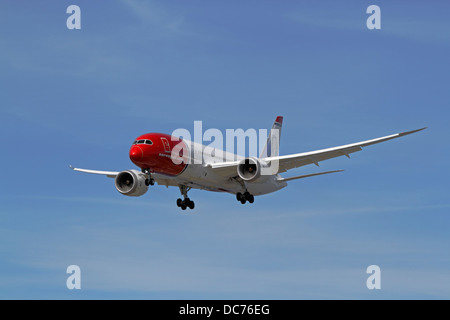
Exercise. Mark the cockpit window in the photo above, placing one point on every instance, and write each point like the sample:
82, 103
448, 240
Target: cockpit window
149, 142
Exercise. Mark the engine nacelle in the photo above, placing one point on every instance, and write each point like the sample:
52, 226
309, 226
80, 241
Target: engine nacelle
249, 169
131, 183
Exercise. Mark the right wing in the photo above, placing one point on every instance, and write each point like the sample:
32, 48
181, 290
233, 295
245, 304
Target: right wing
160, 179
302, 159
109, 174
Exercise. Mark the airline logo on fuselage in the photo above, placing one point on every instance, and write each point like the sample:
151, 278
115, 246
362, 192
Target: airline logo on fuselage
166, 145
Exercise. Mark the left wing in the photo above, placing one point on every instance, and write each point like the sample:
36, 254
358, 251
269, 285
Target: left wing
303, 159
228, 169
225, 169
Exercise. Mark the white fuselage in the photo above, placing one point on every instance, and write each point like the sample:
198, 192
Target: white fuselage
199, 175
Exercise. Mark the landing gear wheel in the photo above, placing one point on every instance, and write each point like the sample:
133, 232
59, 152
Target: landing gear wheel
186, 203
243, 198
149, 182
189, 203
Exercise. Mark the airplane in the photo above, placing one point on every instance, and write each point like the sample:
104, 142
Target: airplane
219, 171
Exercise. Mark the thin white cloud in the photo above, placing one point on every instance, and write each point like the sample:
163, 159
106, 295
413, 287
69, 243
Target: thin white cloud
409, 26
423, 31
111, 269
169, 256
98, 200
320, 21
152, 15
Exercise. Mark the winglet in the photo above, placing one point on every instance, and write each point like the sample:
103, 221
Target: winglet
70, 166
413, 131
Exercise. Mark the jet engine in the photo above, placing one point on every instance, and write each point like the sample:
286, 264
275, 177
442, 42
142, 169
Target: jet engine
131, 183
249, 169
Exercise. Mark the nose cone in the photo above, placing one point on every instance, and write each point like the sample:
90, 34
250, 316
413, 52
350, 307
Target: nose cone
136, 154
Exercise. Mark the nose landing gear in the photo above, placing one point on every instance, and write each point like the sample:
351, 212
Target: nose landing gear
149, 181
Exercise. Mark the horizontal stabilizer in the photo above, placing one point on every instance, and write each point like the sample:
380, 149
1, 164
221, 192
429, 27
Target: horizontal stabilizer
308, 175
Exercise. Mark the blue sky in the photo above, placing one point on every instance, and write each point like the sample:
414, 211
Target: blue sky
81, 97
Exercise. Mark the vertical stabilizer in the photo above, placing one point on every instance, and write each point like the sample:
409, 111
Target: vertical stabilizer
272, 147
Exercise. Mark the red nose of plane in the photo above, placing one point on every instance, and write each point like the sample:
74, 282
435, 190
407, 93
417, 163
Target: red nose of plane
136, 154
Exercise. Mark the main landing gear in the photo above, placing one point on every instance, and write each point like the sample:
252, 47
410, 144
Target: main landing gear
186, 203
246, 196
149, 181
